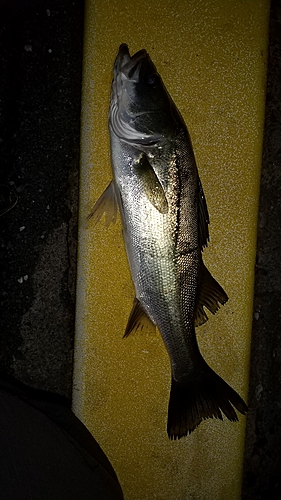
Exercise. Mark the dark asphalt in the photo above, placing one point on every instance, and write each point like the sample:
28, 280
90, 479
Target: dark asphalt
262, 469
40, 90
40, 96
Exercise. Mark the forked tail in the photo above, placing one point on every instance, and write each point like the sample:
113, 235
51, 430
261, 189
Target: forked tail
206, 396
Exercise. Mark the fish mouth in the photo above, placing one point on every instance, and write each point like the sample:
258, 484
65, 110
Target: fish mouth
129, 66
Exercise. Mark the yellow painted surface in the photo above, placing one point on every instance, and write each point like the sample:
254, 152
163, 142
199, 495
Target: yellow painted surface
212, 57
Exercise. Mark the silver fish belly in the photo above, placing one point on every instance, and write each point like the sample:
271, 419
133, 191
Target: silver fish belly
165, 226
155, 248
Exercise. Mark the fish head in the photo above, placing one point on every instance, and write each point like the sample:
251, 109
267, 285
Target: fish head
141, 110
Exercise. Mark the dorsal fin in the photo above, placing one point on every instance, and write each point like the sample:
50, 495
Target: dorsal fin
137, 319
210, 295
203, 218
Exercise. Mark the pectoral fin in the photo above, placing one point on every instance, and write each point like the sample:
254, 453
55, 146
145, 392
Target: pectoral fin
210, 295
151, 185
137, 319
107, 205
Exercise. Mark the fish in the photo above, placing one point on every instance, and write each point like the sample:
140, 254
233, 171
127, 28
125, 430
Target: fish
165, 220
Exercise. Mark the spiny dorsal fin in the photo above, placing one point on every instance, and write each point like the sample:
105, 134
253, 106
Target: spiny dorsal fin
106, 204
203, 218
151, 185
210, 295
137, 319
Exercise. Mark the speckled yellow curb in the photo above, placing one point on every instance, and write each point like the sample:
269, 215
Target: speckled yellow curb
212, 58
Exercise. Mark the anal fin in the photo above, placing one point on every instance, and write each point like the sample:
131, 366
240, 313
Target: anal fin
210, 295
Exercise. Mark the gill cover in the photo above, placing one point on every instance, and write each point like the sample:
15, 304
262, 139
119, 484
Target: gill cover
141, 111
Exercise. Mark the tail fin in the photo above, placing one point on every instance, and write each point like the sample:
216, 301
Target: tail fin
204, 397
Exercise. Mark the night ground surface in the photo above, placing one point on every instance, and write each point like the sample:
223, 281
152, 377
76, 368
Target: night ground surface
40, 90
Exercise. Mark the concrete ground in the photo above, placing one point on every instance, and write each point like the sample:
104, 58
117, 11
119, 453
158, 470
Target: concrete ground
40, 93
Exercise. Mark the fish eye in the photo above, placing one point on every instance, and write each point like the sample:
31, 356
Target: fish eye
153, 80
